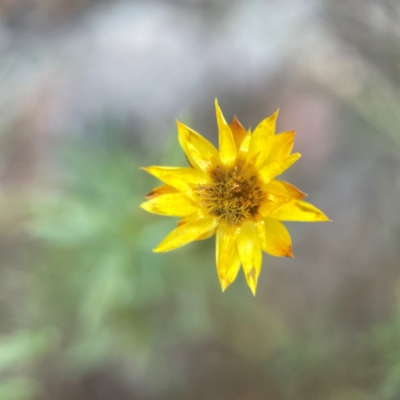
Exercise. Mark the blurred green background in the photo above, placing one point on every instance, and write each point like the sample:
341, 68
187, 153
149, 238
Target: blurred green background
89, 91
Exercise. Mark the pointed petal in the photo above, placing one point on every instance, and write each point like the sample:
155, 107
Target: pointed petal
227, 146
276, 196
228, 263
268, 207
198, 214
277, 167
186, 233
276, 191
160, 190
238, 131
250, 255
274, 238
232, 267
244, 147
293, 191
262, 139
183, 179
175, 205
299, 211
189, 162
200, 152
193, 217
281, 146
207, 234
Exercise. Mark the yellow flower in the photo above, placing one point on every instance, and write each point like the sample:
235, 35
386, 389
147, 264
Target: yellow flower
233, 193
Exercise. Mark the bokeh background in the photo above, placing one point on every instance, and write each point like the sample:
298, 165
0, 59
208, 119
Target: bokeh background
89, 91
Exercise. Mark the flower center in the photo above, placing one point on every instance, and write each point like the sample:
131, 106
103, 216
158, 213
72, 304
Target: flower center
235, 194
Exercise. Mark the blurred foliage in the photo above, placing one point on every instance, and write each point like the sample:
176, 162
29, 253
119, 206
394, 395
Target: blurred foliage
18, 352
87, 310
100, 299
97, 245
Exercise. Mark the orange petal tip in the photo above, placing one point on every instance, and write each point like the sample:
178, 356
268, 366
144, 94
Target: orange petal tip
252, 281
224, 282
275, 115
325, 219
290, 253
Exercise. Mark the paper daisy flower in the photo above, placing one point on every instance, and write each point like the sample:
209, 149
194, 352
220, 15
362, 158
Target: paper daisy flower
234, 194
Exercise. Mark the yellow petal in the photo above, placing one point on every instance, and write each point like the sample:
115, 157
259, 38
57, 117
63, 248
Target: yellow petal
277, 167
207, 235
281, 146
200, 152
293, 191
160, 190
268, 207
250, 255
238, 131
191, 217
274, 238
227, 146
232, 269
183, 179
244, 147
299, 211
175, 205
276, 191
276, 196
228, 263
186, 233
189, 161
262, 139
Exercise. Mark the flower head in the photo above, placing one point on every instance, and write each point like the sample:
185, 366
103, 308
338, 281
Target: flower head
233, 193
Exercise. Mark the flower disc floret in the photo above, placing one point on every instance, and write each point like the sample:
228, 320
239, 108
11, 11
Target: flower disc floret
234, 195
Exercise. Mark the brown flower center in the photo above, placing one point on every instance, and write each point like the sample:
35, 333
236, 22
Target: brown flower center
235, 194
